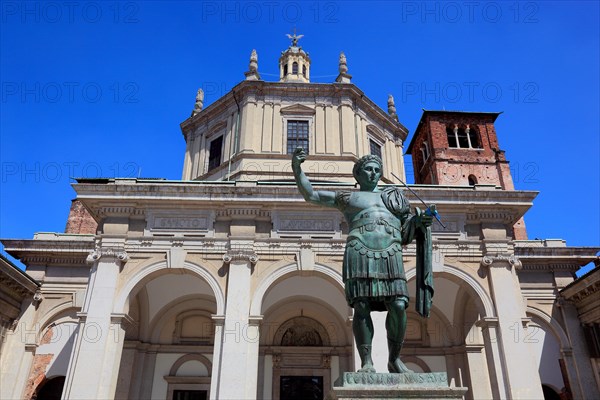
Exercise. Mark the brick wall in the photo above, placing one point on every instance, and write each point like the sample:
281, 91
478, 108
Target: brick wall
37, 375
80, 220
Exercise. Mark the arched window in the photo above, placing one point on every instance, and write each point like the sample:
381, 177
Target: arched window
285, 70
473, 137
425, 151
304, 71
295, 68
452, 133
472, 180
463, 138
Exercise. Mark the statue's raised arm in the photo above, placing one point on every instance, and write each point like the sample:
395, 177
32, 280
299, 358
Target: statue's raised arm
314, 196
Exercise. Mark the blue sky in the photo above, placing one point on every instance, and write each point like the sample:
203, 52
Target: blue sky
99, 88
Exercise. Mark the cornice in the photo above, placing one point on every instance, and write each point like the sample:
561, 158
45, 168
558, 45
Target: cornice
565, 253
550, 265
65, 250
103, 199
21, 283
294, 89
583, 287
16, 289
579, 295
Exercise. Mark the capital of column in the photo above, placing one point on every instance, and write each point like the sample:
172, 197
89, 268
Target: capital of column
82, 315
118, 254
255, 320
501, 260
474, 348
219, 320
120, 318
487, 322
240, 255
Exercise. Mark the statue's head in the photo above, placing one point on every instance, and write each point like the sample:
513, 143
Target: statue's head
368, 170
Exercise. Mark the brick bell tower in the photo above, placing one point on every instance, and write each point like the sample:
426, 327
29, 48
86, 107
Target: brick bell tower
458, 148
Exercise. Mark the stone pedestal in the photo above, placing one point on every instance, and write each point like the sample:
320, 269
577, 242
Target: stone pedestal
360, 385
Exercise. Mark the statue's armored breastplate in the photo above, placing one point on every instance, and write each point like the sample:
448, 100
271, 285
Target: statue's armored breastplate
375, 233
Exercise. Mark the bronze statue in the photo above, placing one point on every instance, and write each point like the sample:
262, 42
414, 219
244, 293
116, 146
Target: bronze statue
380, 223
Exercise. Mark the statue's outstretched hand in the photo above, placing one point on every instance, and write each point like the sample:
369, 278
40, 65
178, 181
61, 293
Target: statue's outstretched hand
298, 157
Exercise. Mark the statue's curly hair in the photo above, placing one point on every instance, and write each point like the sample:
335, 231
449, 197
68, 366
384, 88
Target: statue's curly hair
366, 159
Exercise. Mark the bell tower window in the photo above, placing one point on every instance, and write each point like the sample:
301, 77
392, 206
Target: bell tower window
425, 151
304, 71
463, 137
285, 70
452, 133
473, 137
295, 68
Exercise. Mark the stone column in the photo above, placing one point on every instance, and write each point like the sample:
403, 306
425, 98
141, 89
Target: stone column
99, 338
521, 377
237, 332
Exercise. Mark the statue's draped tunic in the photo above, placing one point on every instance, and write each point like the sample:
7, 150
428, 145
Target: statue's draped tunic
373, 266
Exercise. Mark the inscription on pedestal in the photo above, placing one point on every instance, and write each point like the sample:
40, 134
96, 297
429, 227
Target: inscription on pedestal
433, 379
426, 386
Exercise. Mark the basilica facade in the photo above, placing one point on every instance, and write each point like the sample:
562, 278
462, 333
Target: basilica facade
226, 284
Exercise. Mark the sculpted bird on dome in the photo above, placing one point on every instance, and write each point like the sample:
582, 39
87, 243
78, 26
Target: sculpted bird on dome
294, 38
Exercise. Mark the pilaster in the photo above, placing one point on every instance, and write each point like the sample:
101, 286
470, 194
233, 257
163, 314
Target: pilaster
478, 372
578, 363
99, 338
238, 333
521, 377
17, 355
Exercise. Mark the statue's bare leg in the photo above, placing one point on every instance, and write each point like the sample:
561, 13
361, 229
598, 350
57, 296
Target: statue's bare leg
362, 326
395, 324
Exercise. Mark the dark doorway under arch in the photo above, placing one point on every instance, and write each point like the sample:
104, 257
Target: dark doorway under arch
549, 393
51, 389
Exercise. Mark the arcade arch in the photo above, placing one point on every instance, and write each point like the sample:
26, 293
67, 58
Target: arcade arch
450, 340
305, 337
169, 318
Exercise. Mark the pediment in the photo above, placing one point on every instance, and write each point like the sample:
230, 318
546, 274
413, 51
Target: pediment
376, 132
216, 128
298, 109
